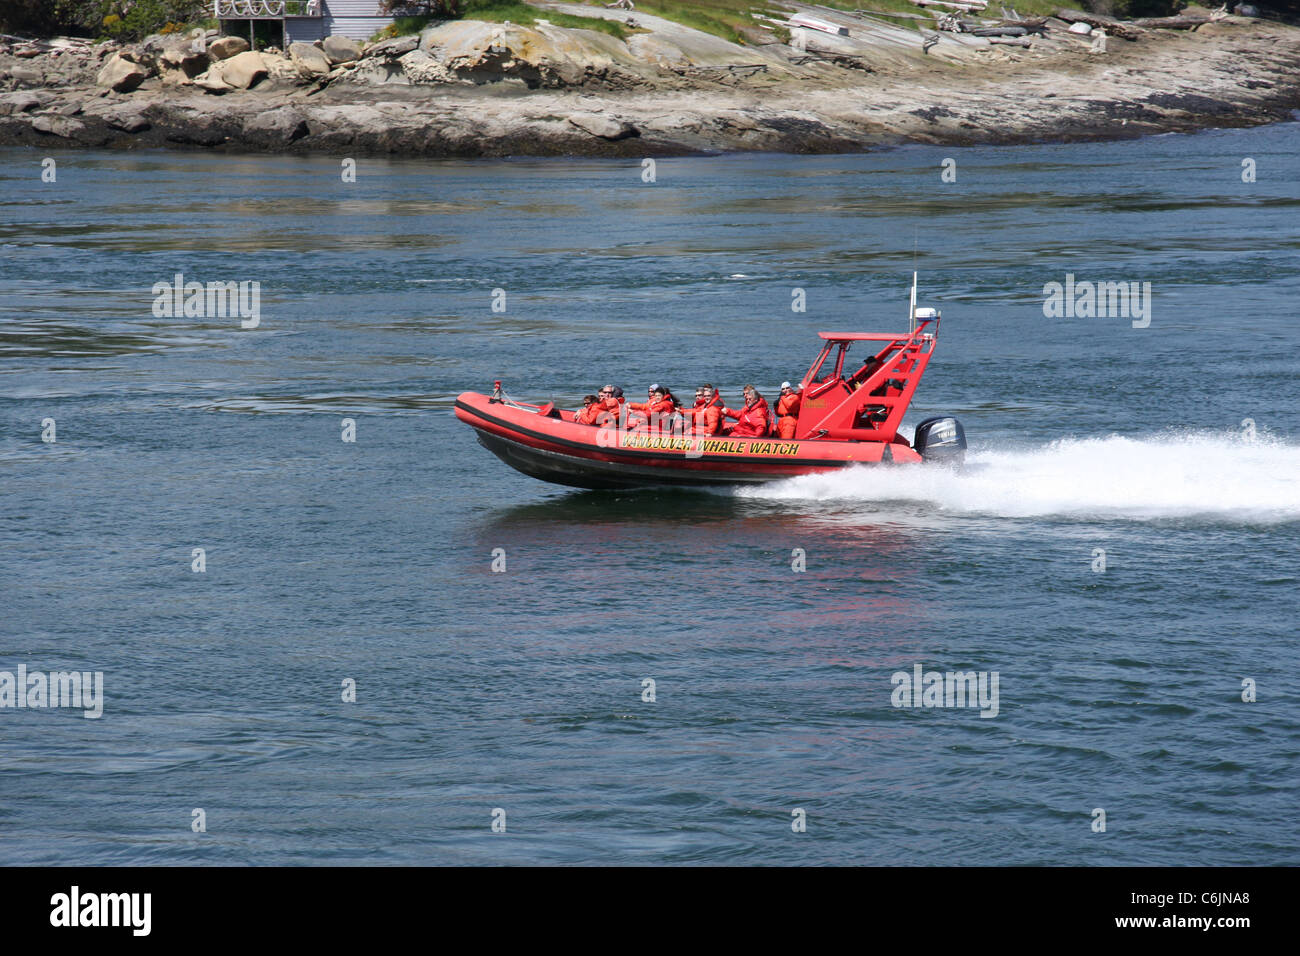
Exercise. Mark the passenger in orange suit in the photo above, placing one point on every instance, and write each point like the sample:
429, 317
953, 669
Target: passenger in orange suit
590, 409
787, 411
752, 421
656, 411
611, 407
706, 418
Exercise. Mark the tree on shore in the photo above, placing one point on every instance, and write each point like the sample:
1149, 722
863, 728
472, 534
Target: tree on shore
1288, 10
120, 19
1131, 9
434, 9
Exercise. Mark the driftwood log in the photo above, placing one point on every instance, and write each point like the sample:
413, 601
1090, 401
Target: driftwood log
1172, 23
1025, 42
898, 16
966, 5
1112, 26
1032, 24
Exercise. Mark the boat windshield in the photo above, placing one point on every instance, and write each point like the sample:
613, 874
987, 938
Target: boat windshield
832, 375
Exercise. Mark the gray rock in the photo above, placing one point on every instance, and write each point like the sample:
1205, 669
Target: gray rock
283, 125
341, 49
355, 117
226, 47
420, 67
68, 71
606, 127
138, 54
184, 59
56, 125
121, 74
155, 43
309, 60
243, 70
26, 76
128, 121
18, 103
392, 48
211, 81
282, 68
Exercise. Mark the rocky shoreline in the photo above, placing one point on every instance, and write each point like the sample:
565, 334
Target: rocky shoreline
470, 89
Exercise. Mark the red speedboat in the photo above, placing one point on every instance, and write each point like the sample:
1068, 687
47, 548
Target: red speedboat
847, 417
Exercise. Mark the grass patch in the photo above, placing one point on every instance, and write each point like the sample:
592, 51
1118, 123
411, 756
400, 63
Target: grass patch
723, 18
613, 27
516, 11
732, 20
499, 11
400, 27
1026, 8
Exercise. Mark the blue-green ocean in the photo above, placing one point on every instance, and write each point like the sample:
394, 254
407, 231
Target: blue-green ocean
1122, 550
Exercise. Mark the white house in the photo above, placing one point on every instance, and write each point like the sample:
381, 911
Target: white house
306, 20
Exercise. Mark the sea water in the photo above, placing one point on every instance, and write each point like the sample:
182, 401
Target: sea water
332, 628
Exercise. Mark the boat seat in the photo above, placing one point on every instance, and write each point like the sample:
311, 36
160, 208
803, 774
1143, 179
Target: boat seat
548, 410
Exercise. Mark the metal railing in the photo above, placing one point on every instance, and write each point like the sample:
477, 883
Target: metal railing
264, 9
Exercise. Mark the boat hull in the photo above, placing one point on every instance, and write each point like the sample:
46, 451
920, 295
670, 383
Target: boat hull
581, 456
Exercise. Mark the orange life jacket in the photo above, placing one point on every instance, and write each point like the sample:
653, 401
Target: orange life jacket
655, 411
751, 421
707, 416
787, 408
608, 411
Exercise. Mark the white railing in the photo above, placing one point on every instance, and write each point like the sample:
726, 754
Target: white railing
264, 9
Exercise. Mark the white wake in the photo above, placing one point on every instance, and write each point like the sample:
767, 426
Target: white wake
1203, 474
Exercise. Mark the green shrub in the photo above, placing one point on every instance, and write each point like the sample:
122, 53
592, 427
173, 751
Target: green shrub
495, 11
421, 9
136, 19
1133, 9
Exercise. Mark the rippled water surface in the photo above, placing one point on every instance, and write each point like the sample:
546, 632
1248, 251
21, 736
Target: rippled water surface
371, 561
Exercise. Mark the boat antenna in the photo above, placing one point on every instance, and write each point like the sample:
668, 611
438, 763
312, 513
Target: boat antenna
911, 309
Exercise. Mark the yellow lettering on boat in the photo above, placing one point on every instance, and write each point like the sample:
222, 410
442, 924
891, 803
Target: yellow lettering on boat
711, 446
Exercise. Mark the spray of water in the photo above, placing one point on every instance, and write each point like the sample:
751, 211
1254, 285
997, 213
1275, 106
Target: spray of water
1198, 475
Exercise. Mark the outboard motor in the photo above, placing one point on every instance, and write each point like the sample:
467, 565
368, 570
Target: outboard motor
941, 440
